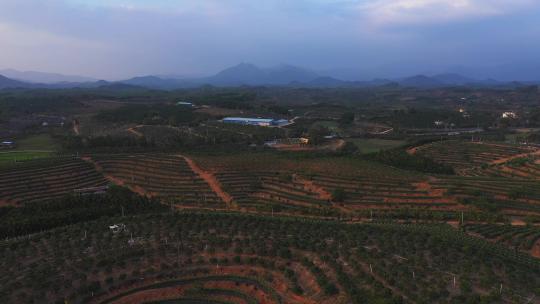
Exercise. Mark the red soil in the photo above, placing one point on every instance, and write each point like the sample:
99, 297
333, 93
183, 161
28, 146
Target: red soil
507, 159
135, 132
535, 251
118, 181
152, 295
76, 127
439, 193
412, 150
8, 203
310, 186
210, 179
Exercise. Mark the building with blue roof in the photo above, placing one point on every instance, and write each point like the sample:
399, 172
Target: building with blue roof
263, 122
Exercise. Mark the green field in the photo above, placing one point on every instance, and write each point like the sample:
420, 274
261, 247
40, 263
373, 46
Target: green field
41, 142
17, 156
330, 125
370, 145
31, 147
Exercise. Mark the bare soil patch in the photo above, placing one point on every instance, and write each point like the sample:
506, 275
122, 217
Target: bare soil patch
210, 179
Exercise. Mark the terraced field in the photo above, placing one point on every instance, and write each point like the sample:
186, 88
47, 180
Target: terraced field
525, 238
313, 186
168, 177
512, 196
382, 193
46, 179
233, 258
271, 191
521, 168
463, 155
345, 186
318, 186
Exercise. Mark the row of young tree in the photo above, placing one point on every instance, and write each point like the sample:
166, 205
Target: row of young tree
387, 263
401, 159
43, 215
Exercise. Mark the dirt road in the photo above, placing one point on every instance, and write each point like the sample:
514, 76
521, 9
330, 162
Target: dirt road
210, 179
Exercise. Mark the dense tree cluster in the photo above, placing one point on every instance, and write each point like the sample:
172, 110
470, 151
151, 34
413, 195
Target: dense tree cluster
401, 159
39, 216
282, 257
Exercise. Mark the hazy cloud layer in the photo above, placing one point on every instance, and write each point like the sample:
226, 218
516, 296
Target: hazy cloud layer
121, 38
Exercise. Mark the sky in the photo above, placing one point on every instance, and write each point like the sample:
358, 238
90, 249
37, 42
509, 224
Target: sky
361, 39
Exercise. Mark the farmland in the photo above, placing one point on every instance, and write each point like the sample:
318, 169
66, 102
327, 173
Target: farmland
215, 258
28, 148
463, 154
46, 179
141, 201
375, 145
166, 176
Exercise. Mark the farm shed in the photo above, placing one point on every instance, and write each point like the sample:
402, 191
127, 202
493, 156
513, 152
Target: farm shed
7, 144
265, 122
185, 104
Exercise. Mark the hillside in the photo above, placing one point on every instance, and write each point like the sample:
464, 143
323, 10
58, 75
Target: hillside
11, 83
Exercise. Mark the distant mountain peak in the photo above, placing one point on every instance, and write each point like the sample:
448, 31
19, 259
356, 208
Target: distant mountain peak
43, 77
6, 82
250, 74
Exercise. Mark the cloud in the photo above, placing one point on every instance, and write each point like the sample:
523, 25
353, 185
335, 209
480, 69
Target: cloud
121, 38
415, 12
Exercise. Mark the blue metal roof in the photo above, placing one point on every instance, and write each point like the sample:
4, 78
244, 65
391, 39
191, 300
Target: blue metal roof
245, 119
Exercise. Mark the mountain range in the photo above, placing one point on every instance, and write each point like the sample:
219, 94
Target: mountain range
41, 77
243, 74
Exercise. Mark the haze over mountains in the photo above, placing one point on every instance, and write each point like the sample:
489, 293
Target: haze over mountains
42, 77
243, 74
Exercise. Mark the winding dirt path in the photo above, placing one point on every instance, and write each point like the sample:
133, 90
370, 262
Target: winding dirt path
310, 186
507, 159
76, 127
135, 132
117, 181
367, 268
535, 251
210, 179
413, 150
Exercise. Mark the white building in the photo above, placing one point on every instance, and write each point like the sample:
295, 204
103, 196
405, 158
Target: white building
509, 115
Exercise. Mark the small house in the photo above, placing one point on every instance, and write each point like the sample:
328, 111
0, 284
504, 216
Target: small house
263, 122
185, 104
7, 144
509, 115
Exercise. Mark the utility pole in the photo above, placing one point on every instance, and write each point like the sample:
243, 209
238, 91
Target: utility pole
370, 268
178, 252
454, 278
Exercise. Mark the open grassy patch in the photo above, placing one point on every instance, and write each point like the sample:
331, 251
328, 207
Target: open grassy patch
370, 145
329, 124
41, 142
28, 148
17, 156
